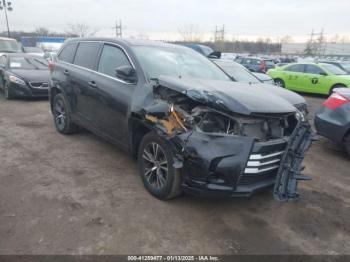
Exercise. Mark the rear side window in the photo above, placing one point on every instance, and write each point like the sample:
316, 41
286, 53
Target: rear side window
67, 53
86, 54
111, 58
295, 68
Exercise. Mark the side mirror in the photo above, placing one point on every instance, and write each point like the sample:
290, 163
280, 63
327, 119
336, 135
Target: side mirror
215, 55
126, 73
323, 73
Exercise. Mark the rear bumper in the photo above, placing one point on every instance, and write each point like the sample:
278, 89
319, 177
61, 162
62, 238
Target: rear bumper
331, 125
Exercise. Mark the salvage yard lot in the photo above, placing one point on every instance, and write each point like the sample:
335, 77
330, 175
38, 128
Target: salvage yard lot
80, 195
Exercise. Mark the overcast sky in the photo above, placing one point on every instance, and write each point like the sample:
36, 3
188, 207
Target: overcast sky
161, 19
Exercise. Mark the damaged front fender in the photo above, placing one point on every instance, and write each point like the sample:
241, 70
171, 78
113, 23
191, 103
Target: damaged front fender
215, 147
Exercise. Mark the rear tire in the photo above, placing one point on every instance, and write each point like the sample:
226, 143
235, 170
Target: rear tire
155, 161
62, 118
279, 82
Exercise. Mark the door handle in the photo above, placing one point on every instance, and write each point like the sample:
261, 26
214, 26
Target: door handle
92, 84
66, 72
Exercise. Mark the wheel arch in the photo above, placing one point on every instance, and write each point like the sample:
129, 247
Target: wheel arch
138, 129
334, 86
52, 93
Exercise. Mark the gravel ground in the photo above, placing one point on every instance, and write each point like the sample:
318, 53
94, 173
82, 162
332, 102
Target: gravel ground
80, 195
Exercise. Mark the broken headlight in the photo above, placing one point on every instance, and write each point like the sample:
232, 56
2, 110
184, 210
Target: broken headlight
209, 121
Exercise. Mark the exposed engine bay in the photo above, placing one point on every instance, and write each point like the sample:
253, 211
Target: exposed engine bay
184, 114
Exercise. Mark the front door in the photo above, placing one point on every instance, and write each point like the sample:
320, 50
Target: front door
315, 79
112, 97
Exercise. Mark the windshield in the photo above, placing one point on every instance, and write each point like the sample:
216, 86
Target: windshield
334, 70
206, 50
10, 46
28, 63
177, 62
238, 73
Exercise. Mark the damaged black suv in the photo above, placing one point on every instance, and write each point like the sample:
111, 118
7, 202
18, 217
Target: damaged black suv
189, 125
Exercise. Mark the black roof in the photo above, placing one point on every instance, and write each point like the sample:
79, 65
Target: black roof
128, 42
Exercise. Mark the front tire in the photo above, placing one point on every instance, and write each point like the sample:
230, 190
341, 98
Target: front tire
62, 118
8, 91
155, 161
279, 82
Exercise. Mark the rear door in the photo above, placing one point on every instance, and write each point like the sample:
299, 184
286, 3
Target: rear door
112, 96
292, 76
82, 87
61, 73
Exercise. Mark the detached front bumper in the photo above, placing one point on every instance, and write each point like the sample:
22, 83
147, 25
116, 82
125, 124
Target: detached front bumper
236, 167
227, 166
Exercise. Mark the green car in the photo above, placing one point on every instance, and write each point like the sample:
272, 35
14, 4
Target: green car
320, 78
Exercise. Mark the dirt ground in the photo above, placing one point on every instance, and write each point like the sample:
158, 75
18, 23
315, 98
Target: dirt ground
80, 195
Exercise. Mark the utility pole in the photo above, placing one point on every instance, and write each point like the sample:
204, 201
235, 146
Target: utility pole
219, 37
316, 44
118, 29
6, 6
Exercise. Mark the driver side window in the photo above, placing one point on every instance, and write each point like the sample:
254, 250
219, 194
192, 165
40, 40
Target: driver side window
112, 57
315, 70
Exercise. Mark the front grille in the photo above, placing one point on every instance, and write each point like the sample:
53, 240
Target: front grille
262, 166
39, 85
259, 163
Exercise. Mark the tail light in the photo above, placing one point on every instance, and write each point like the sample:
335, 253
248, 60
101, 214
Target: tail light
263, 66
335, 100
51, 66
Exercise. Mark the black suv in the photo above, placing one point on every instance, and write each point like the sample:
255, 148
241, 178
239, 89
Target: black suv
189, 125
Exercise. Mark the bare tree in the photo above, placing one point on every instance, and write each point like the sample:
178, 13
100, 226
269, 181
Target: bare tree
42, 31
80, 29
287, 39
190, 33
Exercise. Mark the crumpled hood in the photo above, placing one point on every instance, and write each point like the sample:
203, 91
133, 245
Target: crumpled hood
238, 97
32, 75
286, 94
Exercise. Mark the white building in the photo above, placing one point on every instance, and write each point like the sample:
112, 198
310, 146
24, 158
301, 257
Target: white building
329, 49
